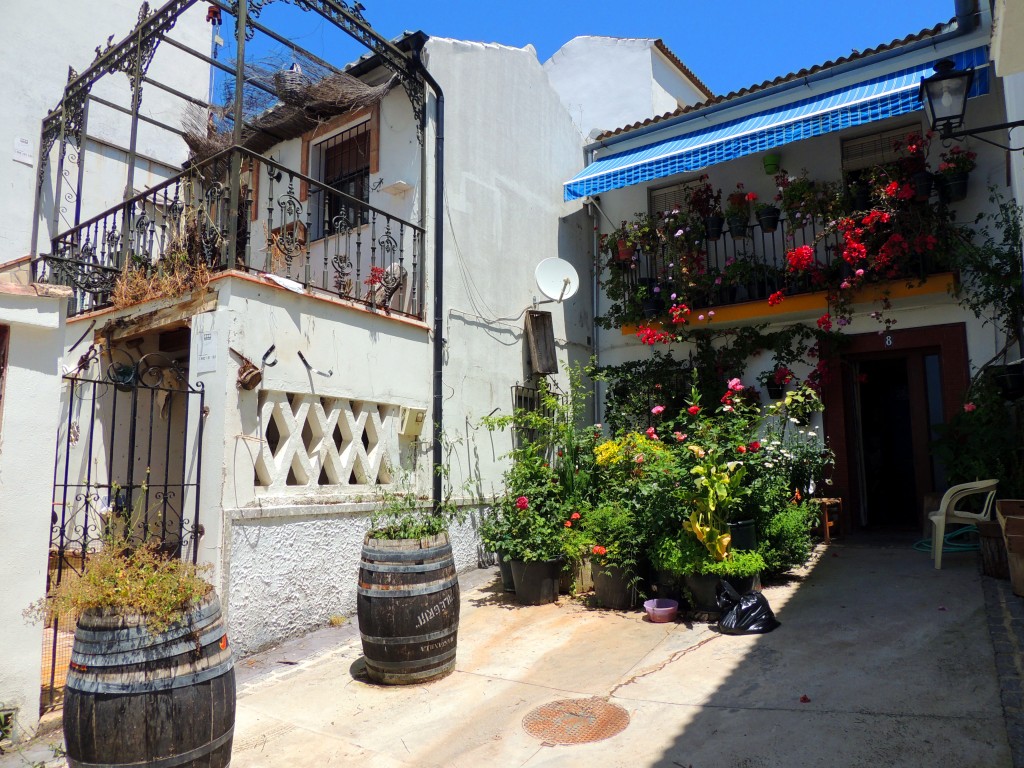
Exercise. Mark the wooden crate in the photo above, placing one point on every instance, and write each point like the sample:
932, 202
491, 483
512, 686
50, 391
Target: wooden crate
1010, 513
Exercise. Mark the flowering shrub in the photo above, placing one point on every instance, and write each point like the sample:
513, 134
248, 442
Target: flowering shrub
376, 276
957, 160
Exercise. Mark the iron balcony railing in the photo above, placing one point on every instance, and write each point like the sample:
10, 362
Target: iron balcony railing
360, 253
737, 267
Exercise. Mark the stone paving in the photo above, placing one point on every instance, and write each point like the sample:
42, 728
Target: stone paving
1005, 613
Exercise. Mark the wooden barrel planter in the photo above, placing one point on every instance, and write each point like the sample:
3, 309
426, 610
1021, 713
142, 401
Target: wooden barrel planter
135, 697
408, 609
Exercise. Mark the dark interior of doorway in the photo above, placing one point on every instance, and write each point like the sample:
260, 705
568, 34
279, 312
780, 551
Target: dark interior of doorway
887, 443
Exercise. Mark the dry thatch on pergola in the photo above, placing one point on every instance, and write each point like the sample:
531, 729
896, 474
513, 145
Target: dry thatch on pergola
304, 95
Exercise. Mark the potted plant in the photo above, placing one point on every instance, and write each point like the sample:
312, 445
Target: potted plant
704, 202
737, 212
798, 198
132, 696
398, 604
547, 489
799, 405
495, 530
767, 215
613, 529
741, 569
775, 380
954, 170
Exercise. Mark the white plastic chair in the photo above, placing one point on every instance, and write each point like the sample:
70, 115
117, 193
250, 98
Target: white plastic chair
948, 512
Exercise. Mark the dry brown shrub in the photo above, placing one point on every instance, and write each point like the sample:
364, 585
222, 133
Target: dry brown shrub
175, 276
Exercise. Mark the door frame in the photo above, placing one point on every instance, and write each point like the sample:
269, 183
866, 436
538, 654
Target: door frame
841, 427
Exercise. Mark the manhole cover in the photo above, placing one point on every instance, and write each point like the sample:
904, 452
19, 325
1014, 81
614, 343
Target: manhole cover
576, 721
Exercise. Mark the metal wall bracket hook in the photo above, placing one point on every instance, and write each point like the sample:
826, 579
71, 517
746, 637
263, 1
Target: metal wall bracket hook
267, 363
309, 367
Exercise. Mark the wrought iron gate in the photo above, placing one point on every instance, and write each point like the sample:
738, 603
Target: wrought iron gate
128, 454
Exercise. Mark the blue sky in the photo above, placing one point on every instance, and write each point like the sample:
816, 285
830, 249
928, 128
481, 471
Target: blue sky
728, 45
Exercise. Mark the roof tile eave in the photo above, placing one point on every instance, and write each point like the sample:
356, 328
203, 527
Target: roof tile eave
806, 72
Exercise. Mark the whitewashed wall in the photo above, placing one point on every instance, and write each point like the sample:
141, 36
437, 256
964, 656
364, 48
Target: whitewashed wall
289, 557
609, 82
44, 40
508, 145
27, 428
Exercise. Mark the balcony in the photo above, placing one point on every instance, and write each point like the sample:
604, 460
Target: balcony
158, 240
744, 265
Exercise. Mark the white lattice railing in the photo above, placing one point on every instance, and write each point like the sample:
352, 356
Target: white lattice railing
309, 442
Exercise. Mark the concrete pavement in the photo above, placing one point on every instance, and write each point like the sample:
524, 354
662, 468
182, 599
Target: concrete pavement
894, 659
880, 661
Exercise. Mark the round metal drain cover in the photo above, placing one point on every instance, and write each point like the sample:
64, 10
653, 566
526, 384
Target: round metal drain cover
576, 721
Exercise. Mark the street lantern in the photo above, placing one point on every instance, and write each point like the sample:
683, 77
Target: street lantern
944, 96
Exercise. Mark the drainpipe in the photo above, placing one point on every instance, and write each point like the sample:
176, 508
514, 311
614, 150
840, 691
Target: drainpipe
966, 15
437, 415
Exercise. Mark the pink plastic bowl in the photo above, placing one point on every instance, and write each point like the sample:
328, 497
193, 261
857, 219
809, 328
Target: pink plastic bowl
661, 610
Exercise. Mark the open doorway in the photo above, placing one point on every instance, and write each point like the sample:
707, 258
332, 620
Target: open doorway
881, 414
885, 433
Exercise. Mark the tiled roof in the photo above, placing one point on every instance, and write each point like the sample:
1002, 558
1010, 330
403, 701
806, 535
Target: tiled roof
697, 82
855, 56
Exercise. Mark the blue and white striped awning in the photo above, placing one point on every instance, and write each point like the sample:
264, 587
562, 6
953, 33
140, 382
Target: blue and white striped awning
876, 99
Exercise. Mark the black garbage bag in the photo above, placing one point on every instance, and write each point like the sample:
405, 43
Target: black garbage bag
747, 614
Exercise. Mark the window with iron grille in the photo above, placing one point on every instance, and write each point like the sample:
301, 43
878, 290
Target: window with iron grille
342, 162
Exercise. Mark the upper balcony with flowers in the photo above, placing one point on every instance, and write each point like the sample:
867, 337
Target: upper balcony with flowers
893, 221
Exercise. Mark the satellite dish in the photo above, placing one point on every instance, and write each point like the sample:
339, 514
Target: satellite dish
557, 279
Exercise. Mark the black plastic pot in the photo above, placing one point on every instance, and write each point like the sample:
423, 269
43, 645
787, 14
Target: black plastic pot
536, 583
744, 534
774, 389
768, 218
922, 181
612, 588
738, 227
713, 226
1009, 379
952, 187
505, 568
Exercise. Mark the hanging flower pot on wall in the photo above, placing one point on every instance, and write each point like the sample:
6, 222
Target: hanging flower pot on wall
771, 163
922, 181
768, 218
625, 253
952, 186
713, 225
738, 227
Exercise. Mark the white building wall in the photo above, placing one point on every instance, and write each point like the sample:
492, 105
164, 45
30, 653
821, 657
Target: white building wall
27, 432
289, 557
50, 38
508, 143
609, 82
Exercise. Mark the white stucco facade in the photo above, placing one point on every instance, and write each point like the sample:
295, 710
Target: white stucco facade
30, 90
288, 556
28, 422
608, 82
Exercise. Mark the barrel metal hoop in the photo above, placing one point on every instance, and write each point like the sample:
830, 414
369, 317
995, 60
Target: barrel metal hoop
164, 762
431, 660
141, 636
425, 568
83, 683
428, 589
119, 657
412, 555
425, 638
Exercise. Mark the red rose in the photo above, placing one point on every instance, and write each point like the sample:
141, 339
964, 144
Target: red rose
693, 410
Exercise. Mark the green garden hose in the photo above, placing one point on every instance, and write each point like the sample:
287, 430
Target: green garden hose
949, 544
